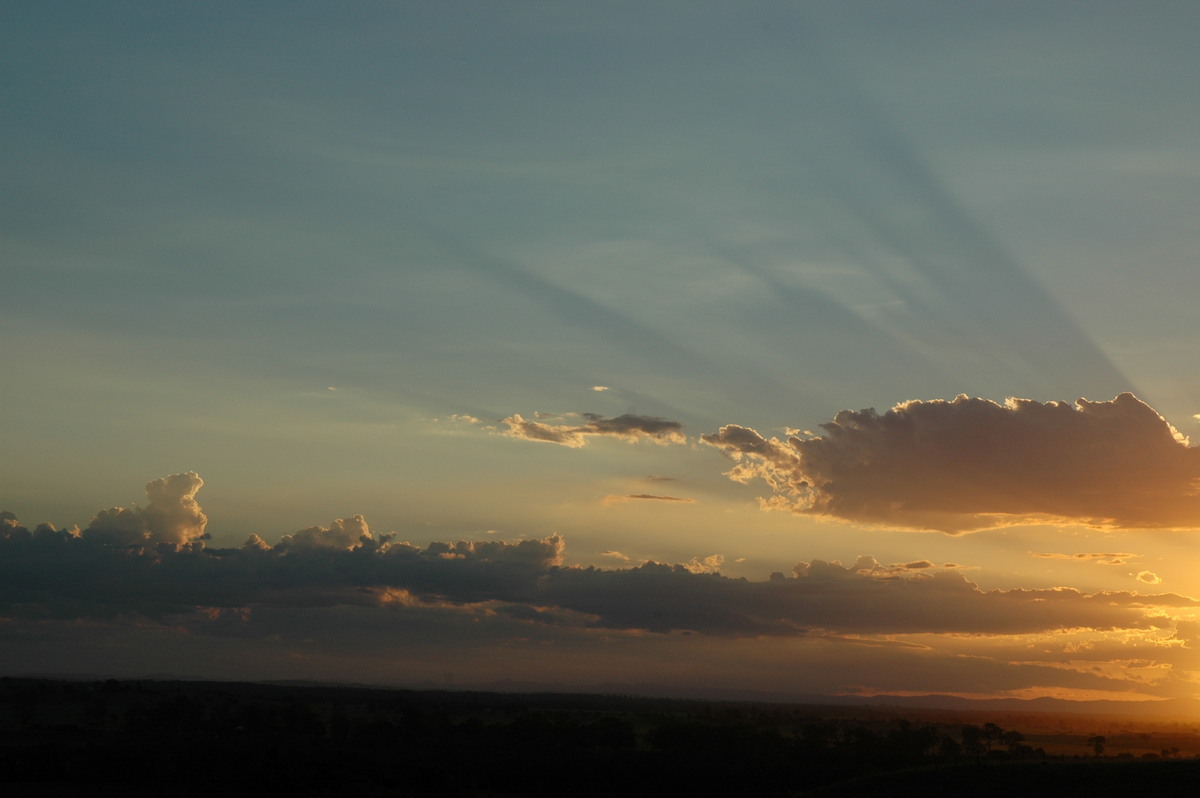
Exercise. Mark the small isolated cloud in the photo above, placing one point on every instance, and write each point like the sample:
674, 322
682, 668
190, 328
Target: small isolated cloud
628, 427
1149, 577
457, 418
972, 464
1105, 558
600, 388
613, 499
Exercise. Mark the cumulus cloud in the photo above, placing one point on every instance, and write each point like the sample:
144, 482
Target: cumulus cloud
628, 427
109, 570
172, 516
343, 533
971, 464
705, 565
327, 587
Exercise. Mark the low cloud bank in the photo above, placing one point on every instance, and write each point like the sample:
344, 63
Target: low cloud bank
971, 464
166, 571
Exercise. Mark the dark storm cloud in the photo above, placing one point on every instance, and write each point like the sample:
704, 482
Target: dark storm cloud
971, 464
628, 427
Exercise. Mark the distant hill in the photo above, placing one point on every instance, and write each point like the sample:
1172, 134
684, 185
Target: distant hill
1184, 709
1178, 708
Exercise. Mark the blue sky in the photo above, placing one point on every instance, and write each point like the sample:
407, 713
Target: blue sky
318, 255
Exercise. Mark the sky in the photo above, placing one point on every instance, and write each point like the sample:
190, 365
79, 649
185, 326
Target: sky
800, 347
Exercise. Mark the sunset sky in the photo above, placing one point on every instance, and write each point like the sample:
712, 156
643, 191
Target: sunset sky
819, 347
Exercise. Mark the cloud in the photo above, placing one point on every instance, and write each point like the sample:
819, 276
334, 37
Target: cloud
172, 516
599, 388
628, 427
971, 464
1105, 558
827, 597
110, 569
705, 565
343, 590
1149, 577
613, 499
341, 534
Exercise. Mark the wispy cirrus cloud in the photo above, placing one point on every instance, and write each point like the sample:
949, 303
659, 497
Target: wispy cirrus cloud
1104, 558
971, 464
615, 499
629, 427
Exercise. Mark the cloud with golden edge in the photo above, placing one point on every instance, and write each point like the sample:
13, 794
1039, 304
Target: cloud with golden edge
628, 427
172, 516
335, 586
972, 464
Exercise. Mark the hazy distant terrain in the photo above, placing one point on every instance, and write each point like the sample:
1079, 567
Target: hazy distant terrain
208, 738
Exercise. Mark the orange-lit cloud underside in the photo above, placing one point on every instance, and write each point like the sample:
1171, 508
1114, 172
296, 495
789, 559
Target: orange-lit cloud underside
972, 464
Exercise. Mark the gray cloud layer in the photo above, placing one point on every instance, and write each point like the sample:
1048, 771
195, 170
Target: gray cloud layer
972, 464
65, 574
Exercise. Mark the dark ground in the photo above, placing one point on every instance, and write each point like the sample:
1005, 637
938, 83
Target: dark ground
150, 738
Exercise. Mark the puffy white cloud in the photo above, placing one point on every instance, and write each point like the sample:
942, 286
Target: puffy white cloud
172, 516
972, 464
343, 533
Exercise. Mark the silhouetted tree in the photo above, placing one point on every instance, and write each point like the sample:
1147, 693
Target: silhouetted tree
1012, 740
973, 741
